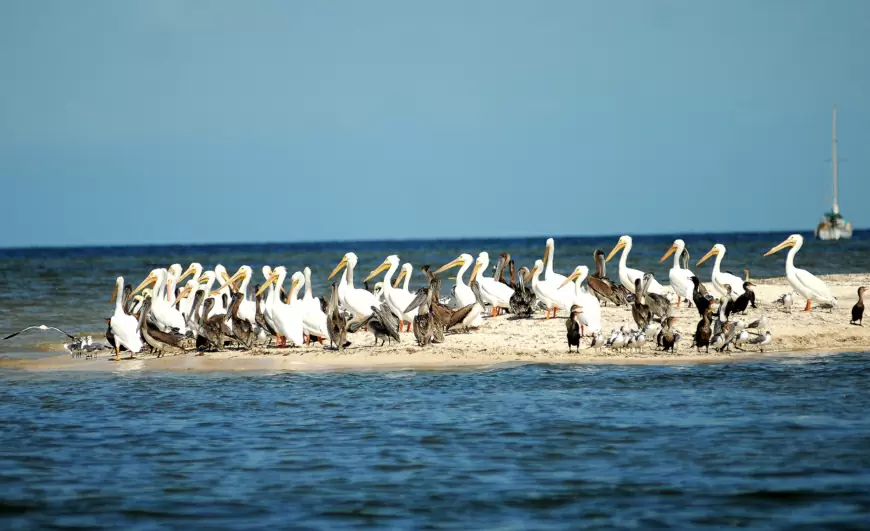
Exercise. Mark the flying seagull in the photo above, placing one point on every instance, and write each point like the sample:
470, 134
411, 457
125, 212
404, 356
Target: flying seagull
40, 327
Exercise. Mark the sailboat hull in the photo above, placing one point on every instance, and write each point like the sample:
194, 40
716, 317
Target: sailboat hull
834, 232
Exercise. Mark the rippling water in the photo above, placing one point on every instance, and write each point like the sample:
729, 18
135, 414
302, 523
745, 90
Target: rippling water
70, 287
779, 443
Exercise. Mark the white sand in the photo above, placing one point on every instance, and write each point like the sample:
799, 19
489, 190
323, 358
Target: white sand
504, 340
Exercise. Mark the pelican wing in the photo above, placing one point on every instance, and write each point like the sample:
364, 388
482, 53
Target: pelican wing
813, 284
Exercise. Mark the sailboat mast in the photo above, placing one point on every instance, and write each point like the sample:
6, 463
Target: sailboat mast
836, 208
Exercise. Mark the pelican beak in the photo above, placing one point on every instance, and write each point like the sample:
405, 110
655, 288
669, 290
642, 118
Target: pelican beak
787, 243
383, 266
399, 278
546, 253
669, 253
150, 279
458, 261
474, 271
230, 281
712, 252
183, 293
114, 294
568, 280
341, 265
272, 278
532, 272
187, 273
619, 245
292, 288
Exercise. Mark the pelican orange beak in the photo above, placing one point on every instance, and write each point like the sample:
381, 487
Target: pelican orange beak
399, 278
240, 274
532, 272
456, 262
671, 251
382, 267
190, 270
183, 293
546, 253
619, 245
114, 294
271, 280
713, 252
150, 279
341, 265
787, 243
568, 280
474, 271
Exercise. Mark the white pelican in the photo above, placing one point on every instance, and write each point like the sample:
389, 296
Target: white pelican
266, 307
172, 279
627, 275
492, 291
186, 302
359, 302
591, 315
221, 275
548, 292
719, 278
125, 327
463, 294
681, 279
804, 282
287, 318
163, 315
313, 316
549, 274
247, 308
398, 300
404, 273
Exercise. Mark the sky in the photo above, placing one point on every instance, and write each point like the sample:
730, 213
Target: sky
168, 121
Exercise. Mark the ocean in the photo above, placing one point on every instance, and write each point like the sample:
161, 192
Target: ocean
782, 442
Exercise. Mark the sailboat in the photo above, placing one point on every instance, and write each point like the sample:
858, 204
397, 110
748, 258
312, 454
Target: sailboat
833, 226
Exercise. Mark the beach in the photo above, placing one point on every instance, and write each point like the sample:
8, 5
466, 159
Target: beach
504, 340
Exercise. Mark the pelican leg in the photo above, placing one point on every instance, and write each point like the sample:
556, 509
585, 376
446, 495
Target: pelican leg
555, 309
678, 301
809, 305
117, 352
582, 334
548, 314
401, 325
408, 327
306, 338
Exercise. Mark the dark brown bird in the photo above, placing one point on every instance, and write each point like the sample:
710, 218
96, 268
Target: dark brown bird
601, 286
703, 333
522, 302
424, 321
858, 309
445, 317
702, 302
336, 322
572, 326
640, 311
161, 342
669, 335
658, 305
241, 331
382, 324
746, 299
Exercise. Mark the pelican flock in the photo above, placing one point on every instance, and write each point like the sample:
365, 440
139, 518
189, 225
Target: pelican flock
170, 313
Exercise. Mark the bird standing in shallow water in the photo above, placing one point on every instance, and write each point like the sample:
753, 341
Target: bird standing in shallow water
858, 309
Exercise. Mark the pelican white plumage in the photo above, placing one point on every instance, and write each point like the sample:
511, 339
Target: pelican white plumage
591, 315
492, 291
314, 318
804, 282
172, 278
681, 279
404, 273
462, 293
247, 308
548, 291
549, 274
287, 317
359, 302
124, 327
186, 302
164, 316
721, 278
627, 275
398, 300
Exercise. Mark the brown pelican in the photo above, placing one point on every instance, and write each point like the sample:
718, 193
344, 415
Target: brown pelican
382, 323
669, 335
424, 321
572, 324
523, 300
158, 340
658, 304
445, 317
336, 322
463, 295
242, 330
640, 311
211, 329
601, 286
858, 309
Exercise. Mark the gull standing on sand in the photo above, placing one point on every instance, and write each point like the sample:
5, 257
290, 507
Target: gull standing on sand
804, 282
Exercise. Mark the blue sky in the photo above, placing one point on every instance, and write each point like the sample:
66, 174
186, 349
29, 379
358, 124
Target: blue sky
334, 120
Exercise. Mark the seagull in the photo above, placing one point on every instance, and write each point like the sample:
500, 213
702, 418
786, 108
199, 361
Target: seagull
40, 327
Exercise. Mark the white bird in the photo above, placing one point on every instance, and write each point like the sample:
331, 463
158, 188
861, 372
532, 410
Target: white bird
397, 299
173, 276
247, 308
720, 278
786, 299
548, 292
493, 292
463, 294
627, 275
358, 302
287, 317
804, 282
40, 327
124, 327
591, 316
549, 274
164, 316
314, 318
681, 279
186, 301
761, 340
404, 274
